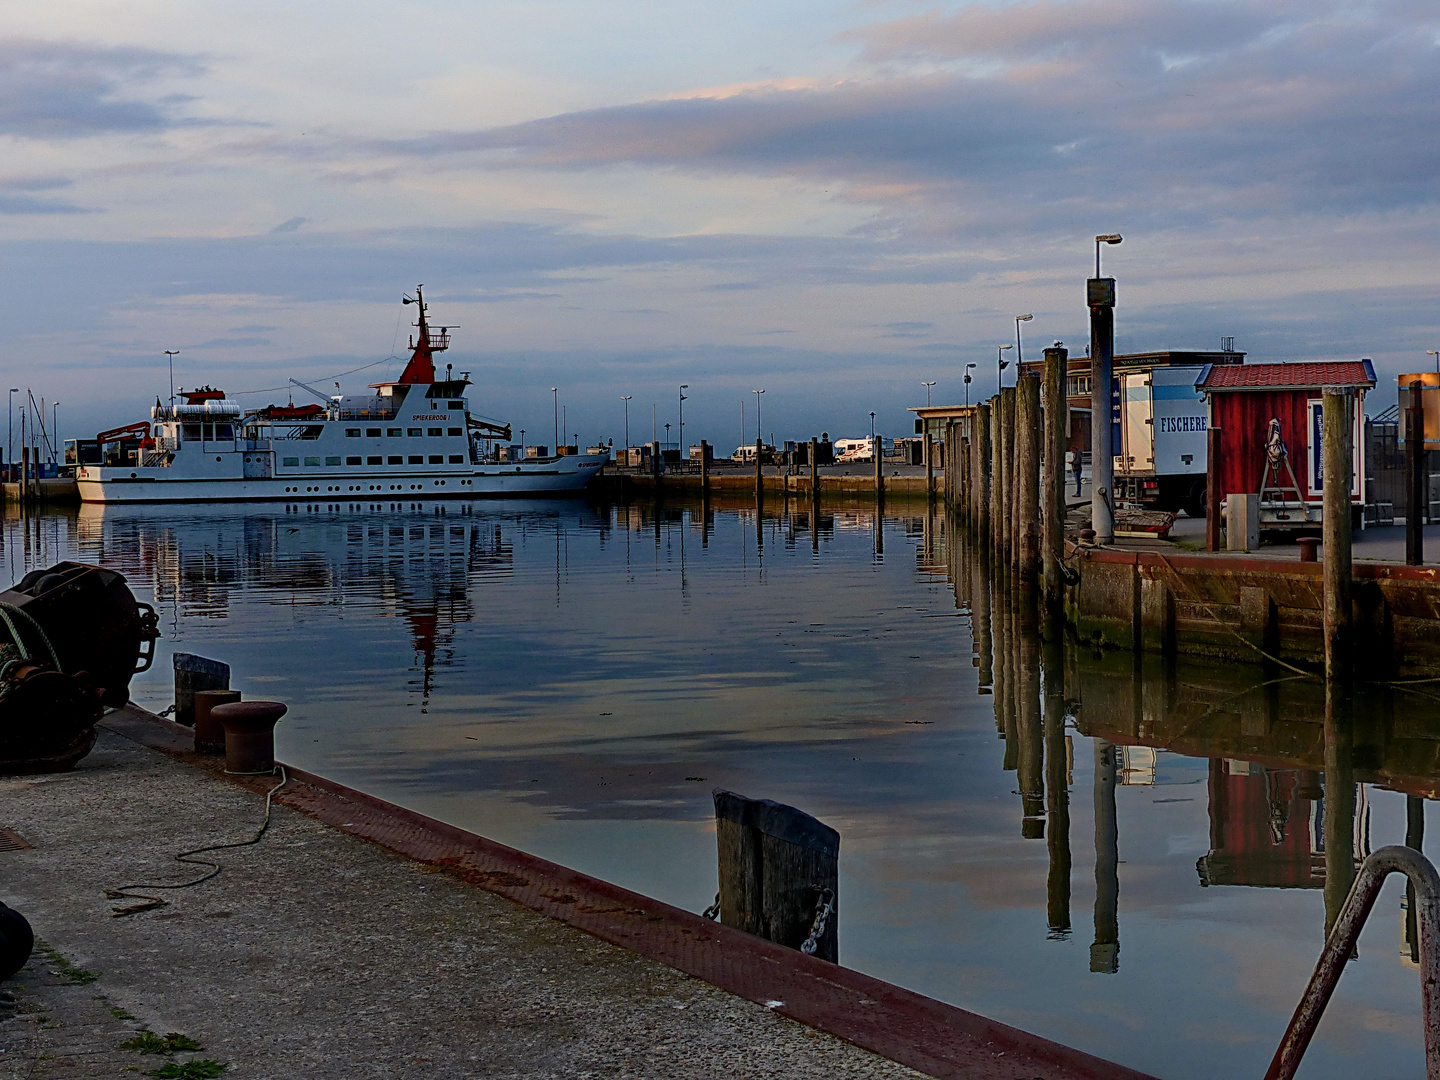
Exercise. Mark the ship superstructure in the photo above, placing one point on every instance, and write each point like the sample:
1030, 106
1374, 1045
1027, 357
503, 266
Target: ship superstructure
416, 434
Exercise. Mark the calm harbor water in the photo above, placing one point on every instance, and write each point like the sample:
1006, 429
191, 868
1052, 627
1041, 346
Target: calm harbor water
1129, 859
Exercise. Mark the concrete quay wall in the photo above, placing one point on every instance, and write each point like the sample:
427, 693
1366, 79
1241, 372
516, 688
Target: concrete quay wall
854, 488
1248, 609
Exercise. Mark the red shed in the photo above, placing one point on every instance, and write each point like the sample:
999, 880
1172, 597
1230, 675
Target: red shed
1244, 400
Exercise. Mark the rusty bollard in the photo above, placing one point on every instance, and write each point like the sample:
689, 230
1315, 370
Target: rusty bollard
249, 735
209, 734
1308, 546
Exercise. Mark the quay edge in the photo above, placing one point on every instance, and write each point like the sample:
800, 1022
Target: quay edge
927, 1035
1237, 608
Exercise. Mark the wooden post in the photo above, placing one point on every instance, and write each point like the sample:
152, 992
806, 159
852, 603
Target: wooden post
929, 463
982, 469
1057, 790
1105, 950
1027, 481
778, 867
815, 471
704, 469
194, 673
878, 455
1338, 427
997, 476
1053, 503
1213, 494
24, 475
1006, 455
1339, 820
1416, 481
759, 475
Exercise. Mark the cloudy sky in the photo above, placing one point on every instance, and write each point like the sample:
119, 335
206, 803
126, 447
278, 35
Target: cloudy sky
832, 200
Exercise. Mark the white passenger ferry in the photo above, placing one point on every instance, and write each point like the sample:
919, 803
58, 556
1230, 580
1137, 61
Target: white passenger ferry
415, 435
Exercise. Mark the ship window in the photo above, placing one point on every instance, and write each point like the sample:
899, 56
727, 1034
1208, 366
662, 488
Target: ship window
417, 459
332, 461
433, 431
291, 462
352, 432
312, 461
192, 431
413, 432
396, 459
437, 459
352, 461
454, 431
394, 432
457, 404
457, 459
224, 431
374, 459
372, 432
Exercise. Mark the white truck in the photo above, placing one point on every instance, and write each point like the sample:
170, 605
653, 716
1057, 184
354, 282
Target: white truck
1161, 422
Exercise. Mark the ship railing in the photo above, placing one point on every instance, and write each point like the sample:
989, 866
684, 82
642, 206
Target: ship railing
155, 459
368, 414
1340, 947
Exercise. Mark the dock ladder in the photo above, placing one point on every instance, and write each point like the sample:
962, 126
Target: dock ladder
1340, 946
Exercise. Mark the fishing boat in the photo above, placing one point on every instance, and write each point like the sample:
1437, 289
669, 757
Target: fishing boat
411, 437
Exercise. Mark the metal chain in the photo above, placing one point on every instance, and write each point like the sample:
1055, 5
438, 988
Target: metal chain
823, 911
713, 911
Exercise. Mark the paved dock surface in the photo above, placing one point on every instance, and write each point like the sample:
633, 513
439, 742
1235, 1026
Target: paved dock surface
317, 954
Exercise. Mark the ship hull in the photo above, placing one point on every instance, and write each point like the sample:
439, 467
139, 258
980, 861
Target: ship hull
566, 476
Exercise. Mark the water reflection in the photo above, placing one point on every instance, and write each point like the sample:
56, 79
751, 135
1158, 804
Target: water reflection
574, 679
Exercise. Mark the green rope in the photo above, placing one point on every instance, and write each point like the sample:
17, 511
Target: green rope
6, 613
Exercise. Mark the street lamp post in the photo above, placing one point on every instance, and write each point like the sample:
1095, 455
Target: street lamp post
55, 431
1104, 238
1100, 297
967, 383
1000, 365
1019, 352
683, 388
1435, 353
626, 398
757, 394
927, 386
555, 401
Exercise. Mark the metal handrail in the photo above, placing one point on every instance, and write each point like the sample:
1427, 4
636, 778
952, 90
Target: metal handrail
1340, 945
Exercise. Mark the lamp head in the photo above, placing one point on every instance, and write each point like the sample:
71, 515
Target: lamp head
1023, 318
1002, 348
1109, 238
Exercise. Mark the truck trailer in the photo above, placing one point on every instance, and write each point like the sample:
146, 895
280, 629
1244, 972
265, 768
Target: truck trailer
1160, 420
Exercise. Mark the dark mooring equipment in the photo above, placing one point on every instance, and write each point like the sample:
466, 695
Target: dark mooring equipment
71, 638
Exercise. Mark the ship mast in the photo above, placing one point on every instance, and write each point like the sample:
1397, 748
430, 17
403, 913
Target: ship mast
421, 368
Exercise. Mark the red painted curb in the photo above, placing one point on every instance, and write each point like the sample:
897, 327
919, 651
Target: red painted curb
898, 1024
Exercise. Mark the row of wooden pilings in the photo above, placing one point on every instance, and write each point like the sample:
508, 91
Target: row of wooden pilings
995, 485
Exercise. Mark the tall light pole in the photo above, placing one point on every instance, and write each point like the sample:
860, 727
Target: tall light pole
1000, 365
683, 388
172, 353
1104, 238
927, 386
1019, 352
555, 401
757, 394
10, 426
967, 383
55, 431
626, 398
1435, 353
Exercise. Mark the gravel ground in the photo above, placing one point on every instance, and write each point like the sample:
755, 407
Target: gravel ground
316, 954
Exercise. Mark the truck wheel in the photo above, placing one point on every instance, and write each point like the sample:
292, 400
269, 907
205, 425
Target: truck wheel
1194, 503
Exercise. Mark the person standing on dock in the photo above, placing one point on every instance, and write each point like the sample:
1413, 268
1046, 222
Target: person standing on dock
1072, 458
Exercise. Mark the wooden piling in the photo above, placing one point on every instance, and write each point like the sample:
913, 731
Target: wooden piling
1057, 790
1338, 429
193, 673
1415, 480
1105, 950
1053, 501
815, 471
1005, 453
759, 474
981, 429
929, 446
1339, 819
1027, 481
778, 866
704, 469
1213, 494
879, 456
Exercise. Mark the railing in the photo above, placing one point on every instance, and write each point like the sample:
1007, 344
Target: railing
1340, 945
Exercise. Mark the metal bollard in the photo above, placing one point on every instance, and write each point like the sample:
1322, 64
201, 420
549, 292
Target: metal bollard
194, 673
249, 735
209, 733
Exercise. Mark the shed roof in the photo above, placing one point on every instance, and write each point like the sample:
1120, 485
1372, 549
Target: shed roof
1307, 374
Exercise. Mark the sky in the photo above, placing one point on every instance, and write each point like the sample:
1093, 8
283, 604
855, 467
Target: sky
834, 202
